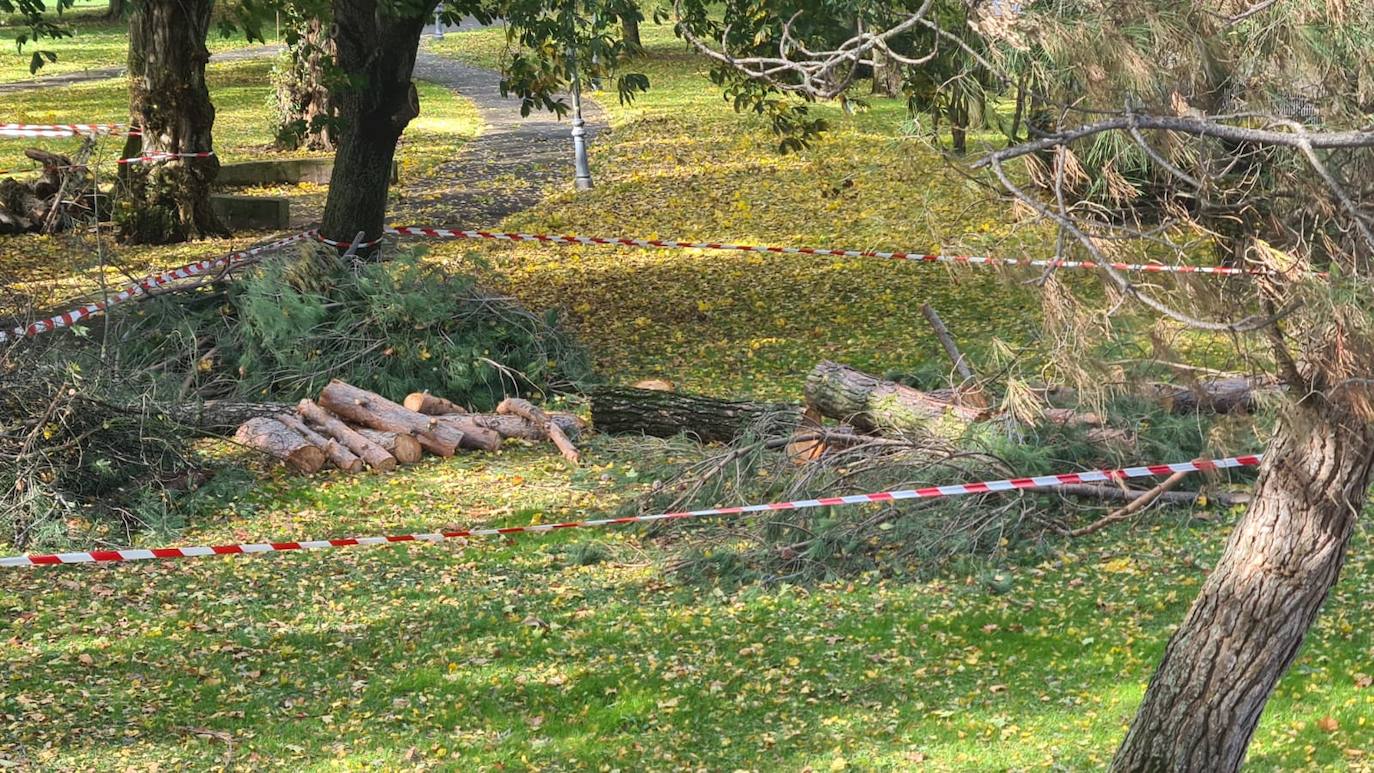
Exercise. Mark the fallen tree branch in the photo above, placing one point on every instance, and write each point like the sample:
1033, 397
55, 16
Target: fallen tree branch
1132, 507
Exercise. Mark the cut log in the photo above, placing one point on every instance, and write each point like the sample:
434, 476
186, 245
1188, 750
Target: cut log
372, 410
524, 429
527, 410
629, 411
377, 457
405, 448
430, 405
475, 436
872, 404
341, 457
275, 438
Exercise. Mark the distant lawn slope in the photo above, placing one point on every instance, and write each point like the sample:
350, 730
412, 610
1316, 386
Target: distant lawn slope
680, 163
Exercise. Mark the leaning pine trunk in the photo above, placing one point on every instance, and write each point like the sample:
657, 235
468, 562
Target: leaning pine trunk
376, 53
167, 201
1249, 619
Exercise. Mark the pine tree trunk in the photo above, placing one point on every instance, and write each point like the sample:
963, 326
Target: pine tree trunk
1244, 630
376, 53
169, 200
304, 105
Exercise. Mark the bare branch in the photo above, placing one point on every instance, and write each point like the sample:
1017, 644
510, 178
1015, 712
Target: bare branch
1193, 126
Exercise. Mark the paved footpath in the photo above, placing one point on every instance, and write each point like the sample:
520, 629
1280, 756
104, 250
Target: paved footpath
512, 165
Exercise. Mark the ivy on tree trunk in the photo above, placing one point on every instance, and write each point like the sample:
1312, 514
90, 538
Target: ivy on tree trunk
376, 54
304, 101
168, 201
1248, 621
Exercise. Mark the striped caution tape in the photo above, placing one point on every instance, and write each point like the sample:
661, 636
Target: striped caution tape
63, 129
975, 260
69, 318
160, 156
963, 489
915, 257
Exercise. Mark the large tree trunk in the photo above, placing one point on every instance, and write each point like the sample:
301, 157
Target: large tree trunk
304, 105
376, 53
169, 200
1250, 617
629, 29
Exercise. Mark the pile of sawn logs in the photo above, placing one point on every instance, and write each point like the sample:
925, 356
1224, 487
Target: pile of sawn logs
352, 429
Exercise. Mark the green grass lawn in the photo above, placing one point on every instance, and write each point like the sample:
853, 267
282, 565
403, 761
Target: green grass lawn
520, 655
530, 654
96, 43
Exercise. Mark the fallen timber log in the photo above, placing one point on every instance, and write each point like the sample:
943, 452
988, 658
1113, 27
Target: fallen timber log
631, 411
279, 440
871, 404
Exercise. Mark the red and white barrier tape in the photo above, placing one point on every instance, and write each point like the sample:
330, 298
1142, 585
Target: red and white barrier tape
69, 318
160, 156
322, 239
63, 129
985, 487
916, 257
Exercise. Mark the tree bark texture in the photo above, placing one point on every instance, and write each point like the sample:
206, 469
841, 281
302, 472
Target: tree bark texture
376, 54
1249, 619
168, 201
518, 427
515, 406
377, 457
630, 411
431, 405
339, 455
872, 404
1223, 395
